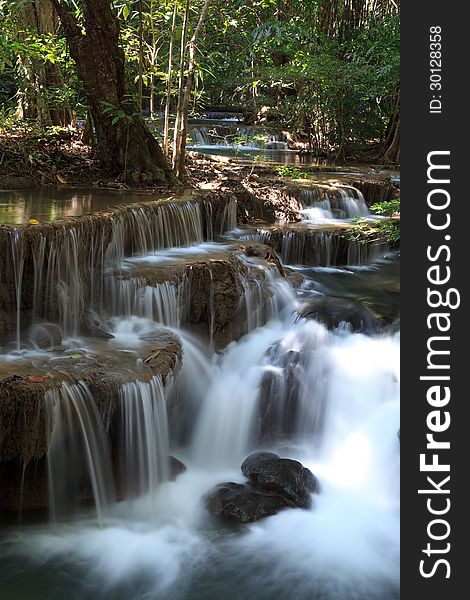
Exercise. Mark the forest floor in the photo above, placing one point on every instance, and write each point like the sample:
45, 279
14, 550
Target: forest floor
31, 158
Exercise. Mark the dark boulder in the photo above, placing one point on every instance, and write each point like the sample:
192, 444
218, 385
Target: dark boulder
242, 503
332, 311
274, 484
284, 477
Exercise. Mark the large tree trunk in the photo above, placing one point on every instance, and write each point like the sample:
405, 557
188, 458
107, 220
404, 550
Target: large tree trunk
124, 143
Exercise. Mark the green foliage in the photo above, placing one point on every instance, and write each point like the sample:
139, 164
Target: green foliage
302, 65
386, 208
288, 171
378, 232
119, 114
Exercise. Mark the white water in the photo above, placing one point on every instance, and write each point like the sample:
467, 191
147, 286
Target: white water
345, 547
329, 203
159, 542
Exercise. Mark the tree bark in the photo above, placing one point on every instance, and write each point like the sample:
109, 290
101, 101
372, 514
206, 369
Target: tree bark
125, 145
391, 146
392, 155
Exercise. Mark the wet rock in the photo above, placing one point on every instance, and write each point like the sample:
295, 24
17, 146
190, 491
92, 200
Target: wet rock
296, 279
242, 503
279, 395
333, 311
283, 477
274, 484
176, 467
94, 325
165, 354
45, 335
24, 486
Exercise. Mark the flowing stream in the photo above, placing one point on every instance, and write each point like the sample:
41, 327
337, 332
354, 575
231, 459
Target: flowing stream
326, 397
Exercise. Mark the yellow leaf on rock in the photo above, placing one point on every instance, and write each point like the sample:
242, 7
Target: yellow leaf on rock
33, 222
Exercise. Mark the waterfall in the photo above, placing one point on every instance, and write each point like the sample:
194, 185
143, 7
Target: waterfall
327, 390
132, 296
277, 381
68, 263
323, 203
17, 252
145, 437
146, 229
317, 247
78, 450
230, 133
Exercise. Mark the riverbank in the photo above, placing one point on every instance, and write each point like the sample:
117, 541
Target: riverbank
58, 157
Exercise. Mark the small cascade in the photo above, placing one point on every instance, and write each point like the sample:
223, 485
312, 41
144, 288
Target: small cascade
60, 269
133, 297
298, 381
266, 295
145, 448
323, 203
64, 282
145, 229
226, 425
78, 450
79, 457
317, 247
237, 292
17, 253
230, 133
228, 219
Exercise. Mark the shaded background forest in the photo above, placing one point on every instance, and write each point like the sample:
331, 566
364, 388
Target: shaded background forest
324, 71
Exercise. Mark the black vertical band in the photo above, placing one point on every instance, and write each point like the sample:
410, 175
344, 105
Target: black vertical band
435, 239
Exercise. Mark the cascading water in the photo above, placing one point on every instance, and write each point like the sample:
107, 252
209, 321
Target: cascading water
129, 297
77, 447
145, 433
219, 134
17, 253
328, 398
324, 203
322, 239
70, 261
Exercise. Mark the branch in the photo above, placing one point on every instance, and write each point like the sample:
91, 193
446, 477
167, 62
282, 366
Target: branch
200, 23
67, 19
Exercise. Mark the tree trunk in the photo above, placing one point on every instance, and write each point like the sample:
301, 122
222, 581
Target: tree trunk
166, 134
184, 33
391, 146
140, 89
392, 155
125, 146
183, 120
